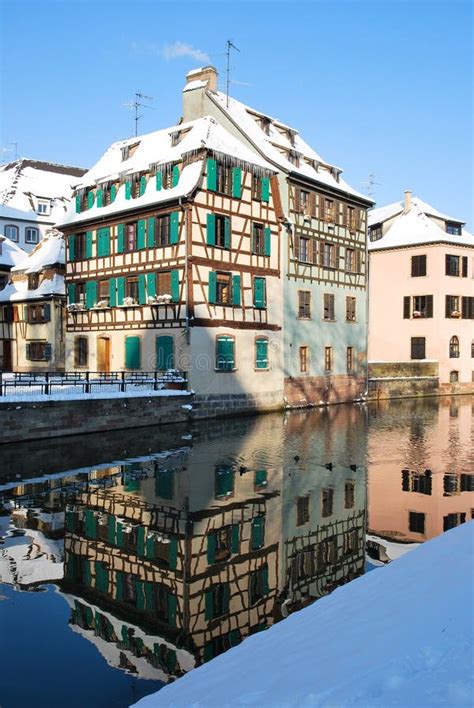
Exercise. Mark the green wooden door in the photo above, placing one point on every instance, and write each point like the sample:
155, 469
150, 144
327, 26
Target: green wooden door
164, 353
132, 352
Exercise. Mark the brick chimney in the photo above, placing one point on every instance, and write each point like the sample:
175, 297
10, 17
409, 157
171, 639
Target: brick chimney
407, 206
205, 73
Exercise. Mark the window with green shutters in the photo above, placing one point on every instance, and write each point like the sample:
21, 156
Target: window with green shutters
216, 601
258, 584
222, 543
257, 537
225, 353
218, 230
103, 242
224, 480
259, 293
132, 353
261, 353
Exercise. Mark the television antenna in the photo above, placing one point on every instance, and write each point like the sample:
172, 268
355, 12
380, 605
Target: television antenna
136, 104
230, 46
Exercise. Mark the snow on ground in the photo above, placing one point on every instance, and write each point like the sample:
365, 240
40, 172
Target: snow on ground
69, 393
398, 636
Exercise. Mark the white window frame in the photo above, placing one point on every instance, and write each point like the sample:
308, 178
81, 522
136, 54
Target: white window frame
31, 240
12, 226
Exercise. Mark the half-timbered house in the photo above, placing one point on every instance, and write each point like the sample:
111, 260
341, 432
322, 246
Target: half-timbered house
324, 261
174, 262
32, 306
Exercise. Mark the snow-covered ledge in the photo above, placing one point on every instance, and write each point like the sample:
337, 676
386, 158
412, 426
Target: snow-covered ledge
399, 636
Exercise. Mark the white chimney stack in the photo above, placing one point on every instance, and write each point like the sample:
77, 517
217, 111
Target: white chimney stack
407, 201
205, 73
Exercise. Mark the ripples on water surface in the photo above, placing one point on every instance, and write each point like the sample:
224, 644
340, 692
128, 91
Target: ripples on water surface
128, 559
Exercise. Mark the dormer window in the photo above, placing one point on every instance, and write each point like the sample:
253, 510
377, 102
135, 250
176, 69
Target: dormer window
177, 136
291, 136
265, 124
294, 158
33, 281
44, 206
454, 229
129, 150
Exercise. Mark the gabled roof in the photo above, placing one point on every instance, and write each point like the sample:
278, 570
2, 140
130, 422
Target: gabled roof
10, 253
280, 140
414, 228
381, 214
154, 149
49, 252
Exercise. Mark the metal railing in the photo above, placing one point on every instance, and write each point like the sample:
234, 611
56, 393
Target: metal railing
86, 382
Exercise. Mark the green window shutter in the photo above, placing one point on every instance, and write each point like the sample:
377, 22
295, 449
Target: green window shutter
234, 637
236, 290
87, 573
172, 610
209, 605
141, 242
100, 197
211, 175
88, 244
174, 227
120, 290
140, 595
258, 532
113, 292
142, 289
173, 553
265, 184
119, 585
78, 204
101, 577
103, 242
175, 285
132, 352
91, 293
90, 200
142, 185
211, 230
164, 353
268, 241
69, 518
150, 232
141, 541
259, 292
261, 478
113, 193
227, 232
208, 653
164, 484
111, 528
149, 599
211, 548
235, 537
71, 294
150, 547
72, 246
151, 284
90, 524
175, 176
159, 180
261, 353
225, 360
225, 599
128, 190
265, 585
237, 182
120, 238
119, 534
212, 287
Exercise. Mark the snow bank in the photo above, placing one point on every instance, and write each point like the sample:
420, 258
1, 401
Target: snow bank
399, 636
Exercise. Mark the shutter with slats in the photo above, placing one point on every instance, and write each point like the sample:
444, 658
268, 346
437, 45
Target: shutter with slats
91, 293
71, 294
211, 175
235, 538
47, 312
142, 296
265, 189
120, 290
212, 287
72, 246
406, 307
88, 244
236, 290
227, 232
429, 305
211, 230
257, 532
297, 199
132, 352
150, 232
464, 267
142, 185
141, 228
268, 241
78, 204
259, 292
111, 529
165, 361
211, 548
100, 198
128, 190
174, 285
174, 227
159, 181
113, 292
237, 182
141, 541
120, 238
151, 284
172, 604
175, 176
90, 200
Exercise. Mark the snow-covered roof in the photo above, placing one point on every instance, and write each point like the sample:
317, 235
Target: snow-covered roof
25, 181
154, 149
280, 140
50, 251
10, 253
414, 228
381, 214
17, 291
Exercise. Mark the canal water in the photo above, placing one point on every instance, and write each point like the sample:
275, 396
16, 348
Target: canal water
128, 559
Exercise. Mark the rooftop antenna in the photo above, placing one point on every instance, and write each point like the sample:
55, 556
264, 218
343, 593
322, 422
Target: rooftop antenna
370, 184
230, 46
136, 104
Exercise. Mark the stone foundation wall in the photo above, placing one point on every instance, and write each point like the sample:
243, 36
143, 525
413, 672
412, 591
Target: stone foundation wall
21, 420
403, 379
216, 406
313, 390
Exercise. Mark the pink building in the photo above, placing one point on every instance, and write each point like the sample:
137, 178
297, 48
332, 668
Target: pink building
421, 290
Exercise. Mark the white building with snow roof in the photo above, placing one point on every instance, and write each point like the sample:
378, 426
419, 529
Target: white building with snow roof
10, 255
34, 195
32, 306
323, 248
422, 290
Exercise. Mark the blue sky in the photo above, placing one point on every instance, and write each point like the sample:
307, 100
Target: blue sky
381, 87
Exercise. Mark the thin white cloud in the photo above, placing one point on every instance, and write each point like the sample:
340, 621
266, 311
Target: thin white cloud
180, 49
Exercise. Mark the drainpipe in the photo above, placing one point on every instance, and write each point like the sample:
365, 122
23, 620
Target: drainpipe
186, 290
367, 275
